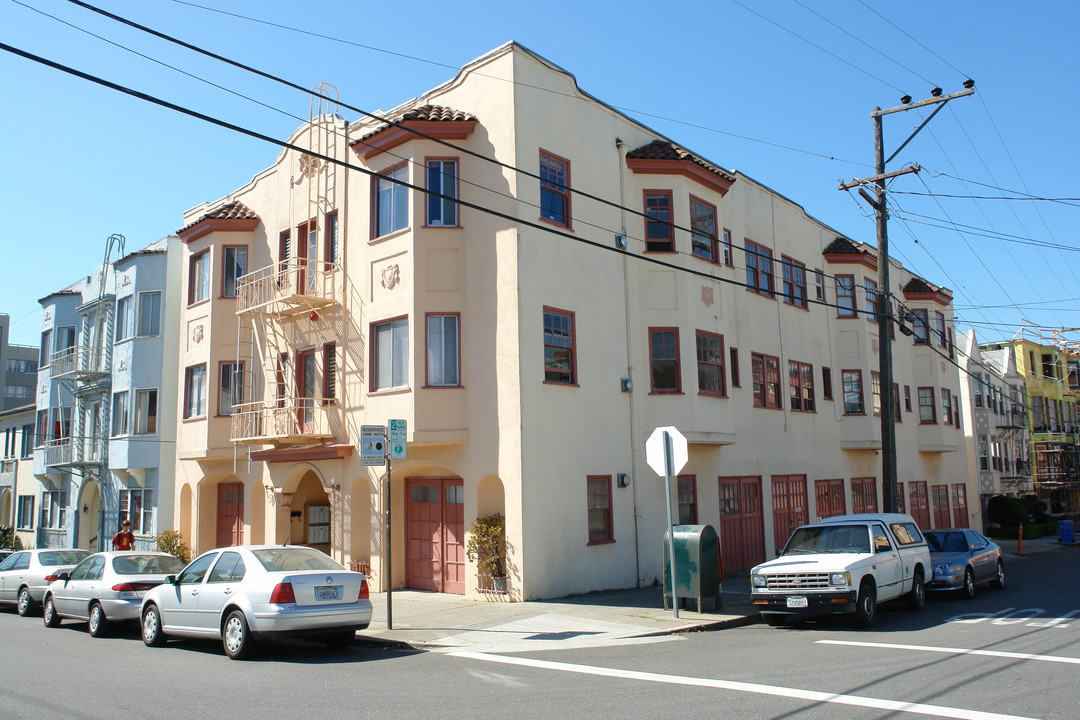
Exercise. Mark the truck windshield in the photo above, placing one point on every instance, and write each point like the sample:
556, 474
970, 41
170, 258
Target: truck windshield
829, 539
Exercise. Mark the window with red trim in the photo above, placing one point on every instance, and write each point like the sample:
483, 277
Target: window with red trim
875, 392
559, 365
794, 276
921, 327
659, 232
927, 411
687, 491
765, 370
199, 277
939, 330
710, 361
801, 382
735, 368
872, 299
555, 189
759, 268
598, 492
853, 392
845, 296
946, 407
664, 360
703, 229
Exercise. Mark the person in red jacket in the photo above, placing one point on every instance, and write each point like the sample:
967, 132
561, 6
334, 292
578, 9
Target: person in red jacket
124, 540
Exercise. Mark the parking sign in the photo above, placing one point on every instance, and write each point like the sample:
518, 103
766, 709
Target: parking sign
397, 439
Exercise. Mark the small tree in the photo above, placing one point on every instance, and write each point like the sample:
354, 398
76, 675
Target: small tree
8, 538
172, 542
486, 545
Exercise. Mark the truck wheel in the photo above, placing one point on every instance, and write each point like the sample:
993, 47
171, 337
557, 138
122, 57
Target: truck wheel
916, 599
866, 605
999, 579
968, 590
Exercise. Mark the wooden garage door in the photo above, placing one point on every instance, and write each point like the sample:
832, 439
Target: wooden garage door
941, 506
742, 533
435, 527
789, 507
919, 504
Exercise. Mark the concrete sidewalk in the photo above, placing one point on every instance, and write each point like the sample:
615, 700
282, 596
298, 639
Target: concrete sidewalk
445, 623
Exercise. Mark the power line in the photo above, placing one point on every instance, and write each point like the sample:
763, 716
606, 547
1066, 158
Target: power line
1031, 198
910, 37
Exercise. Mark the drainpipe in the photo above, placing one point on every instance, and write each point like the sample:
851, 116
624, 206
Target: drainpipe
621, 149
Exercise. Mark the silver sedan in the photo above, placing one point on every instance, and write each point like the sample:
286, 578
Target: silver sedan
106, 588
249, 593
961, 559
25, 574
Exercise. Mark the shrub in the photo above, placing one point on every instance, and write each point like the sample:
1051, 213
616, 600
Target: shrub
486, 544
1006, 512
1036, 508
172, 542
8, 538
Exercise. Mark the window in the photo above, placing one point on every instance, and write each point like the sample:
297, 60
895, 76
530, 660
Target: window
729, 259
801, 382
42, 432
765, 371
984, 453
826, 383
845, 296
872, 299
27, 440
819, 285
875, 392
659, 232
391, 201
794, 276
599, 506
53, 509
703, 229
65, 338
332, 248
759, 270
284, 246
664, 360
120, 409
230, 386
24, 513
554, 189
149, 313
687, 492
146, 411
927, 413
946, 407
124, 319
195, 391
559, 351
896, 415
921, 327
46, 348
735, 368
939, 330
853, 396
442, 178
907, 398
710, 364
444, 350
330, 372
137, 507
233, 268
199, 277
390, 355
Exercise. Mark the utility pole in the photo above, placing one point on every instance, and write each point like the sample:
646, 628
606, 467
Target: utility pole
883, 302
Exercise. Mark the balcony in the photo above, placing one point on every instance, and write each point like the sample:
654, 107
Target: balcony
68, 452
287, 288
282, 421
81, 363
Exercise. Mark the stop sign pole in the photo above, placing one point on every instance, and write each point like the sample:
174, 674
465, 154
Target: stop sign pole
665, 451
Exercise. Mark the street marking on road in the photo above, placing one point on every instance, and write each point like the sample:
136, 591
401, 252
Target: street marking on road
813, 695
957, 651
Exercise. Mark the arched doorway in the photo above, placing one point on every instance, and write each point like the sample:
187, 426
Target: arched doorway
310, 514
435, 534
6, 516
89, 509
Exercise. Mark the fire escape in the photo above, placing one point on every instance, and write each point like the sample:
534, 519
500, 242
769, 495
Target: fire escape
1016, 473
281, 306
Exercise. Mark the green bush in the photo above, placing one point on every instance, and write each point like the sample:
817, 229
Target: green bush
1036, 508
1006, 512
8, 538
172, 542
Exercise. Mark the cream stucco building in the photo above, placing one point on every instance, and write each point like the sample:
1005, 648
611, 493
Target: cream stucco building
534, 281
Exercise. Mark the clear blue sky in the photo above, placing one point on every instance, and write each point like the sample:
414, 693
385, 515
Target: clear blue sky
779, 90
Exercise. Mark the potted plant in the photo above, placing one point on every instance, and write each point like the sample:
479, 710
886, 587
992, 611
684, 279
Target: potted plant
486, 547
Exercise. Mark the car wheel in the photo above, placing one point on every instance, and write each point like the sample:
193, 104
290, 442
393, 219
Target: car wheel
236, 637
775, 620
152, 635
916, 599
999, 579
49, 613
968, 590
25, 603
97, 623
341, 640
866, 605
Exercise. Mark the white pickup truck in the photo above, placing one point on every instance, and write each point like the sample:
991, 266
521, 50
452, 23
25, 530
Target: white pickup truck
844, 564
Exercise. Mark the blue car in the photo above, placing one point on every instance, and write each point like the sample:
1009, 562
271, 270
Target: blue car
961, 559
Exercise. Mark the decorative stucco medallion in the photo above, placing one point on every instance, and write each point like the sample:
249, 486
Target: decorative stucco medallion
309, 165
707, 296
197, 334
391, 276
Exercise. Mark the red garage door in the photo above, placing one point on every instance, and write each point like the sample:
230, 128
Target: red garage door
919, 504
789, 506
941, 506
435, 527
742, 534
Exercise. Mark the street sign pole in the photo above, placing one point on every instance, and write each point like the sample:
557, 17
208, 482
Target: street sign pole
668, 472
389, 555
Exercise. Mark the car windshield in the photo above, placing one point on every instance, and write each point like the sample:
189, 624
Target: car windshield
829, 539
63, 557
292, 559
946, 542
147, 565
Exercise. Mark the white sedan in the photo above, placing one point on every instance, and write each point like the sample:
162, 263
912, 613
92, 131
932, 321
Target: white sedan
106, 588
249, 593
24, 575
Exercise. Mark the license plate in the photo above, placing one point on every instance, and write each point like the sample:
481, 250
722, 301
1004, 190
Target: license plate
797, 602
328, 592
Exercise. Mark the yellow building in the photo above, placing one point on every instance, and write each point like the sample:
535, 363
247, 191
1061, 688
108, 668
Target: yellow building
618, 283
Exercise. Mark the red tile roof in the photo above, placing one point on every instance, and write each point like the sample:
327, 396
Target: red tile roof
234, 210
664, 150
424, 113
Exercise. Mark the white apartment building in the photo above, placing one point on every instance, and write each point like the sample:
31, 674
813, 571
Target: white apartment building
622, 283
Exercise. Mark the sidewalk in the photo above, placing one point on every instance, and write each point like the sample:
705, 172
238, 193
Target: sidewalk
445, 623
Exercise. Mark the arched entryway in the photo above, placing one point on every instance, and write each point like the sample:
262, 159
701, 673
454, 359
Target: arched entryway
6, 516
310, 516
89, 509
435, 534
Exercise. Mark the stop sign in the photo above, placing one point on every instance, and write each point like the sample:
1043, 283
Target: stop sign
656, 452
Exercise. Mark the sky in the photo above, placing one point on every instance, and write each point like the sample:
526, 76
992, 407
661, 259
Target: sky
781, 91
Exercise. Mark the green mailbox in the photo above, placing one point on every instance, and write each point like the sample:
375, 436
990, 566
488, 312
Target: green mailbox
697, 564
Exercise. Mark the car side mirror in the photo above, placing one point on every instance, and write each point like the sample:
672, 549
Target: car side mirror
171, 580
63, 576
